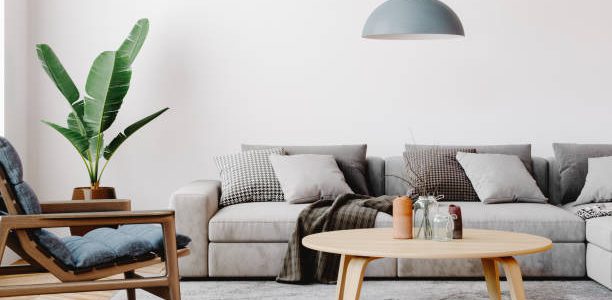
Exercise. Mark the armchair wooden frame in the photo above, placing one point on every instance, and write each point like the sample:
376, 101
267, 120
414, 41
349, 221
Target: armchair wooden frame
14, 234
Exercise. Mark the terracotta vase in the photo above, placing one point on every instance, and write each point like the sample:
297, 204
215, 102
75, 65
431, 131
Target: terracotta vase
402, 218
88, 193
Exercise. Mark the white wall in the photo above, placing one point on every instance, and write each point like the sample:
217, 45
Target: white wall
297, 72
14, 118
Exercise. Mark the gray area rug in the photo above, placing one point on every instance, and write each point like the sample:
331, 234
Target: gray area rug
385, 290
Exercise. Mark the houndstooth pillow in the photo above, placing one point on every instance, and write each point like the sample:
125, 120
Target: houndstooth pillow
595, 211
436, 171
248, 177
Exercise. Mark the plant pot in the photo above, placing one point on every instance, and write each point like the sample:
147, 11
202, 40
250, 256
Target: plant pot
87, 193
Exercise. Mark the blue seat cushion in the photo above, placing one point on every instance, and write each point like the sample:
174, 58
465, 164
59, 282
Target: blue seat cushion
105, 245
121, 243
154, 235
85, 253
53, 245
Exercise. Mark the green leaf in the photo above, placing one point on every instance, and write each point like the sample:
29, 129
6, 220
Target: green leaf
132, 44
57, 73
121, 137
77, 140
73, 122
93, 147
53, 67
107, 84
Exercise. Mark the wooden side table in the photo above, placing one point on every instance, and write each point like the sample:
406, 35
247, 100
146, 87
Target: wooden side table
76, 206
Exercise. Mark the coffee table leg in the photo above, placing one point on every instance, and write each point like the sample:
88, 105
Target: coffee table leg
491, 273
344, 260
350, 276
514, 277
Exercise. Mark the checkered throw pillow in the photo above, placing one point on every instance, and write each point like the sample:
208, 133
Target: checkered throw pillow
436, 171
248, 177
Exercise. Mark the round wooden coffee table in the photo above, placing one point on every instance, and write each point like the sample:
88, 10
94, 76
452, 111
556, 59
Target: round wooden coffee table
360, 246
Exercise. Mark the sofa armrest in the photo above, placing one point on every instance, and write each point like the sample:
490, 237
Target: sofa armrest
194, 204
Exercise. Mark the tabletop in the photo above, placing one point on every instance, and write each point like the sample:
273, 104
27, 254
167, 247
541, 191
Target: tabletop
379, 242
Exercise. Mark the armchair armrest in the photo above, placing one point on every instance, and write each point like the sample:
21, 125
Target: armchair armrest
87, 218
163, 217
195, 203
73, 206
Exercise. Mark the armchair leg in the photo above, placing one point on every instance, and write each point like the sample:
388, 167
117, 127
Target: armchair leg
131, 293
4, 232
174, 287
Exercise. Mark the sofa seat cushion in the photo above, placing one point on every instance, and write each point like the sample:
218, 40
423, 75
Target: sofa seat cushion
254, 222
275, 221
555, 223
262, 222
599, 232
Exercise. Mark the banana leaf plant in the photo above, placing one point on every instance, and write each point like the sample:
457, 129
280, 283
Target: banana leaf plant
92, 114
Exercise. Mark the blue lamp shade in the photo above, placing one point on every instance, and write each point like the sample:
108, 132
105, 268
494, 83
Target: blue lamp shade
412, 20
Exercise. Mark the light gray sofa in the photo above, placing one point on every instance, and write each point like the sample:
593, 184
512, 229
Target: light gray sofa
249, 240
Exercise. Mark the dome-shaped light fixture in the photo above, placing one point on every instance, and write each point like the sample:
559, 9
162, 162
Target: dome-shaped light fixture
412, 20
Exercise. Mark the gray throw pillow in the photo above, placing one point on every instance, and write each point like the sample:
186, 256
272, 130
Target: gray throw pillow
248, 177
351, 160
500, 178
309, 177
573, 166
436, 171
598, 183
523, 151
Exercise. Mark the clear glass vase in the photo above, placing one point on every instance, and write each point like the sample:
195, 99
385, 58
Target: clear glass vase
424, 209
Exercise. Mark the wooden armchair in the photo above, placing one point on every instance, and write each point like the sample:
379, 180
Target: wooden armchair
21, 230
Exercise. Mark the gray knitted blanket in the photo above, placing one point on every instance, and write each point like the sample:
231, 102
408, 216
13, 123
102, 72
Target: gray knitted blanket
349, 211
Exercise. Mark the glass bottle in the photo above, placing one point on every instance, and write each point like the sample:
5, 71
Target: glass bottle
443, 225
455, 212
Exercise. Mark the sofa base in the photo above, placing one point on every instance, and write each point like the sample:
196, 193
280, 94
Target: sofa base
563, 260
265, 259
599, 265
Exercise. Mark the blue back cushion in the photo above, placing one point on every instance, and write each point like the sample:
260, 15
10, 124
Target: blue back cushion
11, 163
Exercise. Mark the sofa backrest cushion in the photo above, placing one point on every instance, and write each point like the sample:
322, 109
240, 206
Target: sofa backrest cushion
351, 160
523, 151
395, 183
395, 176
554, 179
541, 175
376, 176
572, 162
